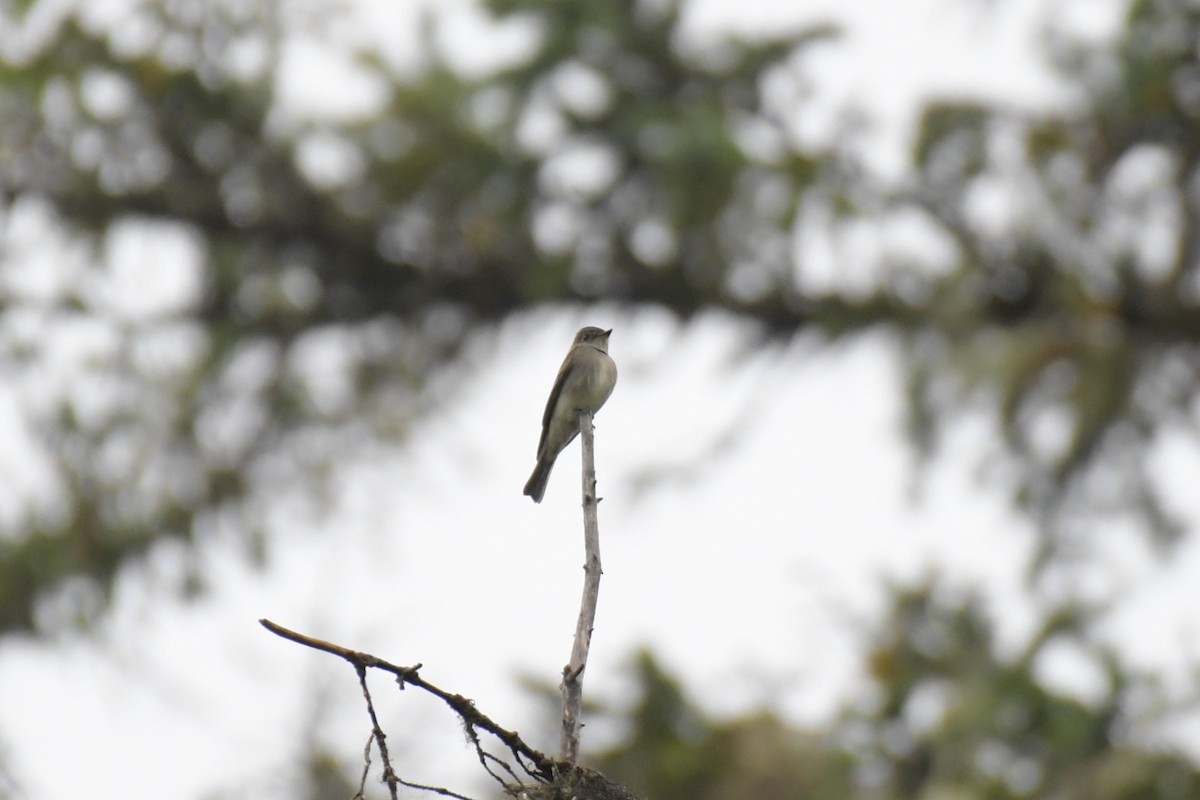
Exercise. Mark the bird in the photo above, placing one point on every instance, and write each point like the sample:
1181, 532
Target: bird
585, 380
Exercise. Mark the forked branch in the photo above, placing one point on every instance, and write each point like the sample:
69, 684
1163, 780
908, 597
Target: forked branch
533, 763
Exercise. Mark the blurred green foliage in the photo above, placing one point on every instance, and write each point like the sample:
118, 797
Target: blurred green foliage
1072, 304
616, 159
943, 713
181, 418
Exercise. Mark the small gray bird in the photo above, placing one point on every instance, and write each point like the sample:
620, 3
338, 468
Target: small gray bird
585, 380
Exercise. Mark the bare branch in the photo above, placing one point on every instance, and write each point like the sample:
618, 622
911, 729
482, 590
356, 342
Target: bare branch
572, 682
536, 764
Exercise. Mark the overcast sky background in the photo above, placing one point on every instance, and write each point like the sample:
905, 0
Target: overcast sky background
751, 568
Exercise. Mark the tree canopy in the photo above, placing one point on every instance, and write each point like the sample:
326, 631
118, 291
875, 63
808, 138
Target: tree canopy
612, 159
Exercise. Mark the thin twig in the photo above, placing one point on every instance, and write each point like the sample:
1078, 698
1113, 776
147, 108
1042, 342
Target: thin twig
362, 781
435, 790
485, 756
389, 774
572, 683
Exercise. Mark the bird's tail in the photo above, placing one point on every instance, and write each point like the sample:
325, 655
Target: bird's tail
535, 487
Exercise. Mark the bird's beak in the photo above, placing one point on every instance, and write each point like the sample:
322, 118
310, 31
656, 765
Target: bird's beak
607, 333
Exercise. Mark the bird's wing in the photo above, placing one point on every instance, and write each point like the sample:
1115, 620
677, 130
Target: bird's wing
552, 401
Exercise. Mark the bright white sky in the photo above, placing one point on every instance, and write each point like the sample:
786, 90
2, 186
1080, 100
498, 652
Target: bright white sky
751, 572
